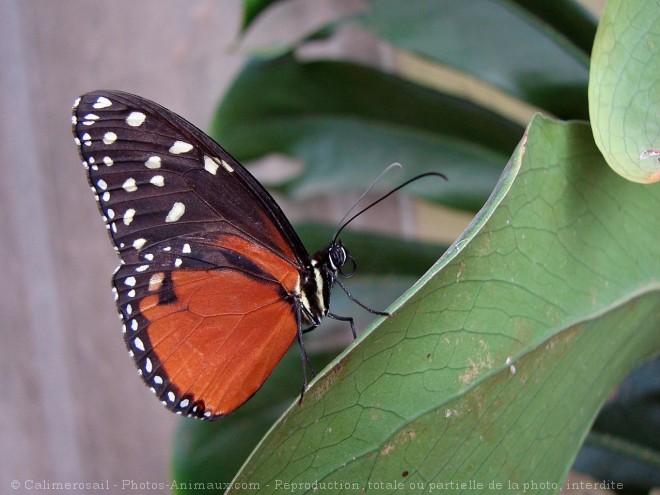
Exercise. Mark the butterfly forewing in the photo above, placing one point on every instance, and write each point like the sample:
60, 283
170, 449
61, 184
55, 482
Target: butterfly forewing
158, 177
209, 262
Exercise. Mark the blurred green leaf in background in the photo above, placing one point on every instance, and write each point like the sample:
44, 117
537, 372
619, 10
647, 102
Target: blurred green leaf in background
495, 364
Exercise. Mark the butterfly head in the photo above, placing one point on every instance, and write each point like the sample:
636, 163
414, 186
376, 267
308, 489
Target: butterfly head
337, 256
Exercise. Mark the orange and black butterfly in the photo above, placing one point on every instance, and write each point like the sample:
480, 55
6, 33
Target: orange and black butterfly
214, 284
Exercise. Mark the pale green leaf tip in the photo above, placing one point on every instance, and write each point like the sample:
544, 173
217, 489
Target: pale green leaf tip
651, 169
643, 169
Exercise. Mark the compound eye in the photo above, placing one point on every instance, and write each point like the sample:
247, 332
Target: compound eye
341, 256
337, 256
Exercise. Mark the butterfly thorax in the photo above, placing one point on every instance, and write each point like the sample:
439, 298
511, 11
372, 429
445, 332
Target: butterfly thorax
318, 280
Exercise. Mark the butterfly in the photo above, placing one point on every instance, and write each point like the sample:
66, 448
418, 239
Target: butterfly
214, 285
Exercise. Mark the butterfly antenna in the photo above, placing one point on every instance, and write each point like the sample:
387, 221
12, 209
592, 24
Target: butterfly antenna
373, 184
385, 196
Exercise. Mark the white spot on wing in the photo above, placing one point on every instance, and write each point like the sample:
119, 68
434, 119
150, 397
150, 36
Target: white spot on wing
87, 139
186, 249
129, 185
90, 119
130, 281
177, 211
147, 365
136, 119
170, 396
102, 102
158, 180
153, 162
178, 262
128, 216
210, 165
156, 281
108, 161
180, 147
138, 243
227, 167
102, 185
109, 138
138, 344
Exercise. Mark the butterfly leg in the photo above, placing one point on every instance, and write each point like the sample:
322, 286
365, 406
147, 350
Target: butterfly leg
303, 354
345, 318
360, 303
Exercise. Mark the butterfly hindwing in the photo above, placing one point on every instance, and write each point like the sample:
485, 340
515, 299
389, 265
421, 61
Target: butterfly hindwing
204, 341
209, 261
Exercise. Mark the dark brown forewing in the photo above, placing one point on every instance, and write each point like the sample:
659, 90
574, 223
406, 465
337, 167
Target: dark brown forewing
158, 178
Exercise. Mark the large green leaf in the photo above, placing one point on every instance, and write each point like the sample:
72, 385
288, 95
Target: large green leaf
348, 122
495, 41
493, 366
624, 94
